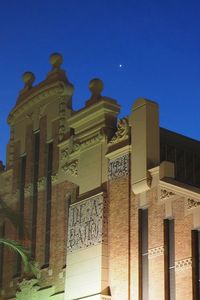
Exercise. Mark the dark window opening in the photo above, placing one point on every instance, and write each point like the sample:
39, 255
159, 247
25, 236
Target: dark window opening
143, 254
35, 192
169, 246
18, 267
2, 235
48, 203
196, 264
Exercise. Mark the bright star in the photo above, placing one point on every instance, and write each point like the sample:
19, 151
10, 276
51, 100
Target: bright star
120, 65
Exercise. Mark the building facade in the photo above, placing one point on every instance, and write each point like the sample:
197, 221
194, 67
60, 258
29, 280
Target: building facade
110, 207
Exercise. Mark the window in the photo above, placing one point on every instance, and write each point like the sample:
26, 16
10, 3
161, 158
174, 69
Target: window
21, 209
2, 234
143, 254
169, 246
35, 192
196, 264
48, 203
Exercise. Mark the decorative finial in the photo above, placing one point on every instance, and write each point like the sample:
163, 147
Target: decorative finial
28, 79
96, 87
56, 61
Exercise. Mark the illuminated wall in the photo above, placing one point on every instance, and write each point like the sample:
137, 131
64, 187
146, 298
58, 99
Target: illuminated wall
112, 205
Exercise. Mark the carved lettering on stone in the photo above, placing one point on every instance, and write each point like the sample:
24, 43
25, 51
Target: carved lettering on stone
87, 223
118, 167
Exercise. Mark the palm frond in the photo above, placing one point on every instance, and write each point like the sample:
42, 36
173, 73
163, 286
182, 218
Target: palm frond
28, 263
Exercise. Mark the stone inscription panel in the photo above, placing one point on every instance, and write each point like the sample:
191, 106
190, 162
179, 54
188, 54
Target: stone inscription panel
118, 167
85, 226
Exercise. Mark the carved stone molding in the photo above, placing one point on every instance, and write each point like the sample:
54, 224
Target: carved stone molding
54, 90
64, 154
41, 111
41, 183
87, 223
184, 264
62, 116
122, 132
70, 149
165, 194
71, 168
93, 140
191, 203
28, 289
11, 147
118, 167
154, 252
28, 190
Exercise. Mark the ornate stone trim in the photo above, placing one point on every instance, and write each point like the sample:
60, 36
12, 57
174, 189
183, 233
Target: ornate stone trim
70, 149
165, 194
155, 252
62, 113
28, 190
87, 223
118, 167
122, 132
64, 154
41, 183
74, 146
93, 140
71, 168
52, 91
184, 264
191, 203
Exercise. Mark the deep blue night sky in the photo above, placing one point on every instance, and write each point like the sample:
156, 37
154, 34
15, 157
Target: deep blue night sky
156, 42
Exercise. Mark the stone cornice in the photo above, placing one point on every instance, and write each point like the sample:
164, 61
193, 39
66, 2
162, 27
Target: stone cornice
180, 189
166, 194
119, 152
96, 118
94, 111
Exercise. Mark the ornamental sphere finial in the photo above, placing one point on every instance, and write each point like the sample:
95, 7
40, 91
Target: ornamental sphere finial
56, 60
28, 79
96, 86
